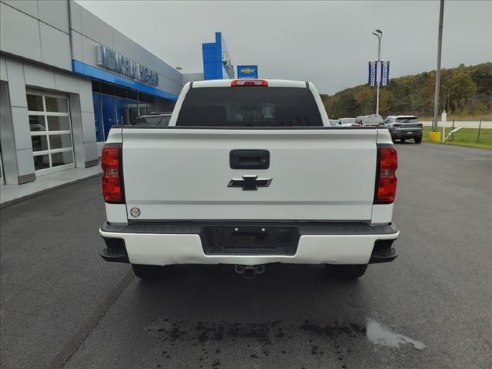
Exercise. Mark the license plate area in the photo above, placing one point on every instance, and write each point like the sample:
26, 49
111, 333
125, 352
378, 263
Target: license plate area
249, 240
240, 239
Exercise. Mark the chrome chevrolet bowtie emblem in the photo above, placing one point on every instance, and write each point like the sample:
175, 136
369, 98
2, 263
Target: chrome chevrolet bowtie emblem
250, 183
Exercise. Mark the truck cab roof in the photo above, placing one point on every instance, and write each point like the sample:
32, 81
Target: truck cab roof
250, 102
269, 83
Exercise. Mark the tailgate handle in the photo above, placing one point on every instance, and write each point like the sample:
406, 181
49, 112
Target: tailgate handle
249, 159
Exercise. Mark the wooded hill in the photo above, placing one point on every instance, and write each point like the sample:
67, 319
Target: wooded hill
464, 91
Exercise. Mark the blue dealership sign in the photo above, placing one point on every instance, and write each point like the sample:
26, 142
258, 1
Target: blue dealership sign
217, 62
247, 71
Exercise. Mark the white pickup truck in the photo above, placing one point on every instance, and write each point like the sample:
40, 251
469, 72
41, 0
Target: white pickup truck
249, 172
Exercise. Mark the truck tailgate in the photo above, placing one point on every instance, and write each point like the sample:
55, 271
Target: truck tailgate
184, 174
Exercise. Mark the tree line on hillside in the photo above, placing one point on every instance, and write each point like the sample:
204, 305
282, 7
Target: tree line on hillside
464, 91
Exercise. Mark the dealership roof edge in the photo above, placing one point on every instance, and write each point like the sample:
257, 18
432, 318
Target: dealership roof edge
97, 73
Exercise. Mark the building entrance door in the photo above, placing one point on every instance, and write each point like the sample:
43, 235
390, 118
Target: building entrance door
51, 131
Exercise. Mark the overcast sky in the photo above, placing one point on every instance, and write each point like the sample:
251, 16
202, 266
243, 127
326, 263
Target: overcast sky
326, 42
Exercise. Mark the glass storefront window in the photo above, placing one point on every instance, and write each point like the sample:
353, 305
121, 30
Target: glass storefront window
132, 95
133, 112
126, 110
56, 105
108, 113
98, 117
60, 141
115, 105
35, 103
58, 123
39, 143
41, 162
144, 109
37, 123
145, 104
61, 158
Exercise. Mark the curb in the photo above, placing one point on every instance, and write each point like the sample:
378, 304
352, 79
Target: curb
35, 194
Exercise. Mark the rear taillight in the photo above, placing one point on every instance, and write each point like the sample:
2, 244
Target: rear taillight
386, 180
112, 180
249, 82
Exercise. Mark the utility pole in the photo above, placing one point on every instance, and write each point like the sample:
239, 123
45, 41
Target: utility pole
438, 70
379, 34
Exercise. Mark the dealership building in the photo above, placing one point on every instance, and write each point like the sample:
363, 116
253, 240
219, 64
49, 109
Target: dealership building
66, 77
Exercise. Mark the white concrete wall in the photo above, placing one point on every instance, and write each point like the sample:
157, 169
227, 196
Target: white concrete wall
88, 31
22, 75
7, 139
190, 77
36, 30
41, 30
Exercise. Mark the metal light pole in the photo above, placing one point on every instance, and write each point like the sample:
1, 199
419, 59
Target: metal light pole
438, 70
379, 34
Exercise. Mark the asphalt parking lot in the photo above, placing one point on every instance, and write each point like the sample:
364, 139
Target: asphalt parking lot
63, 307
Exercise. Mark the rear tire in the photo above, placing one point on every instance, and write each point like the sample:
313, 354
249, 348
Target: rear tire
151, 272
353, 271
418, 140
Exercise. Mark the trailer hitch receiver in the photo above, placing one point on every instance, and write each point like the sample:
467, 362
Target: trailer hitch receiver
249, 271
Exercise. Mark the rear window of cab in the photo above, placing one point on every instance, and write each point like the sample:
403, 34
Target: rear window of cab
249, 106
